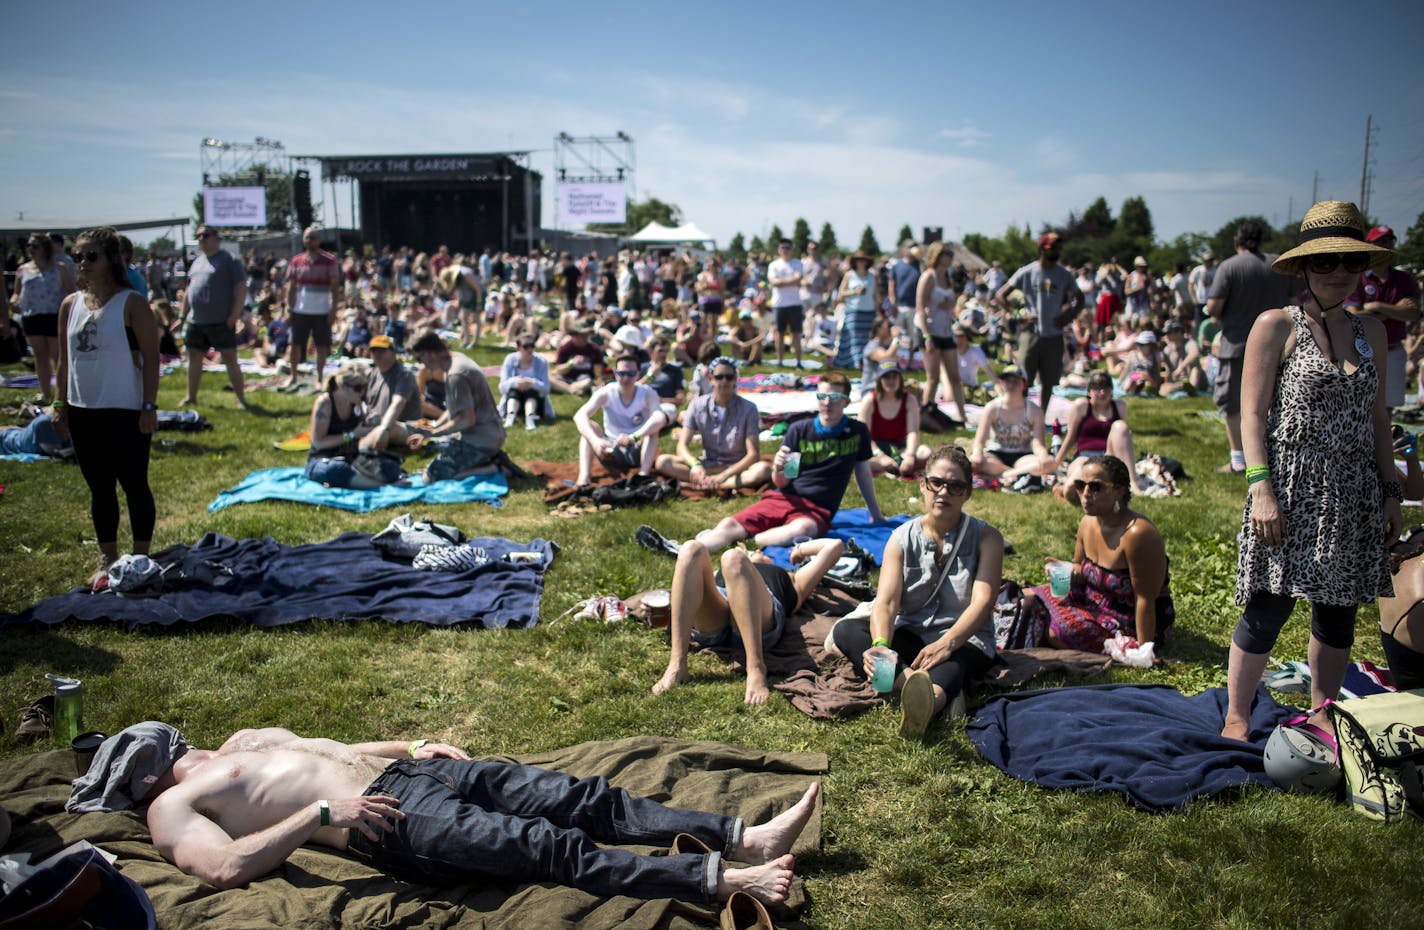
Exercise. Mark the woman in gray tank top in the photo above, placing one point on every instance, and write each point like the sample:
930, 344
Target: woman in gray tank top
939, 580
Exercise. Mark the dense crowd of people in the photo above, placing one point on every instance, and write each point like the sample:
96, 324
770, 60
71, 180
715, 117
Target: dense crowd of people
1306, 354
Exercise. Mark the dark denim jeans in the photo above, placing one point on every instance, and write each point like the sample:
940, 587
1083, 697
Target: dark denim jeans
466, 819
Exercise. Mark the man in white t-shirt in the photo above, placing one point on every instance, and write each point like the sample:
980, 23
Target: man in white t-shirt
632, 418
788, 313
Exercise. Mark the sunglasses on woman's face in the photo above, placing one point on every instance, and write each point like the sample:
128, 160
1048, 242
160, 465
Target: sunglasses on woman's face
86, 256
1095, 487
952, 486
1354, 262
724, 377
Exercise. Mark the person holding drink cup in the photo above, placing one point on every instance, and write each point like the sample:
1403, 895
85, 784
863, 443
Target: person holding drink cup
1118, 579
930, 627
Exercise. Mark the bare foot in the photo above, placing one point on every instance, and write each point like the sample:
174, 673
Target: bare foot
188, 402
1236, 729
769, 882
773, 839
757, 690
671, 679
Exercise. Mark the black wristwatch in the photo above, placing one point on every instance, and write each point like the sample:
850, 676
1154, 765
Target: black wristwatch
148, 405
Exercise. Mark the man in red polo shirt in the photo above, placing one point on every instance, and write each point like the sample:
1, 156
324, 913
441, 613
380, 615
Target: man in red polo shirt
1393, 297
314, 294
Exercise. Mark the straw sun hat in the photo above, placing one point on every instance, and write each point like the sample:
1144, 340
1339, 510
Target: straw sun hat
1331, 226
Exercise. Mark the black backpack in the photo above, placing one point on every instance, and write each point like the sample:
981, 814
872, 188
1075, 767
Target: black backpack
635, 489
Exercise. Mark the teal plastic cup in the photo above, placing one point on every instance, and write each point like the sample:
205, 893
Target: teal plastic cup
884, 668
1060, 577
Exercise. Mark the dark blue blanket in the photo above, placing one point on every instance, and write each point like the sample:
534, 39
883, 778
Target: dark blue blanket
1150, 742
346, 578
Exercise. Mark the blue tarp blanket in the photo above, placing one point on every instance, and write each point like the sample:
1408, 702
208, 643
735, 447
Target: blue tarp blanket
1158, 747
850, 524
345, 578
292, 484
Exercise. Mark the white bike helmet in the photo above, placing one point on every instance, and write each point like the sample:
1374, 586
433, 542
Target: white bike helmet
1302, 758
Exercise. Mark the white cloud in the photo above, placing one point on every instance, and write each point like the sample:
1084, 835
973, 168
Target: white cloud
967, 137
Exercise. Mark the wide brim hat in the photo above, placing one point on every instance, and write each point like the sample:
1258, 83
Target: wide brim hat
860, 256
1331, 226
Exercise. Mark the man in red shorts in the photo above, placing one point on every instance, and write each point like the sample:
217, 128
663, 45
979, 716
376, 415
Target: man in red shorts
829, 447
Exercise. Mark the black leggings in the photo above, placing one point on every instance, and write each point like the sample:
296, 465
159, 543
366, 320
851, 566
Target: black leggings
1266, 613
852, 638
111, 450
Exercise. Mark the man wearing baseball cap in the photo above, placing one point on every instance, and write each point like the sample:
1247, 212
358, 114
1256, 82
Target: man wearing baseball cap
1393, 297
392, 398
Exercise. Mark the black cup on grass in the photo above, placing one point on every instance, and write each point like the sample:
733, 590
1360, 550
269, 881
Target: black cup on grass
84, 746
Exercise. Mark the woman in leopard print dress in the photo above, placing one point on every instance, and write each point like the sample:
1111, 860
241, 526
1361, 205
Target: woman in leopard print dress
1323, 498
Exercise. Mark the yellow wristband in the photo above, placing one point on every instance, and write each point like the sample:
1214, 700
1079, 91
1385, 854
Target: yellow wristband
410, 750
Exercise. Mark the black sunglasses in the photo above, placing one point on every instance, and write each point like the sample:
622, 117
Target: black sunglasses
625, 374
954, 486
1096, 487
1326, 262
724, 377
90, 256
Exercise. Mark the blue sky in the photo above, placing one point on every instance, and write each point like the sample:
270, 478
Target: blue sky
969, 116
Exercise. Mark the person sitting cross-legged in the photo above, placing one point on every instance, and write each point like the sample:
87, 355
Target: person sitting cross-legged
728, 425
628, 438
470, 421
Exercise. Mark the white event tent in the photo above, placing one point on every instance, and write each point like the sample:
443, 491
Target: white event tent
687, 234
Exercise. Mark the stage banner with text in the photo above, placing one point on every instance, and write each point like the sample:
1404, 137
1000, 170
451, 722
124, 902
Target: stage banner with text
235, 206
593, 202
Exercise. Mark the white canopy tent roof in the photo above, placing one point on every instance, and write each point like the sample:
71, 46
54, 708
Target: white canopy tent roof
657, 233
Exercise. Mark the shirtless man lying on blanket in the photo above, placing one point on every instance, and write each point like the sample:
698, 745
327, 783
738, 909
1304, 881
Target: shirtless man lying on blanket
424, 812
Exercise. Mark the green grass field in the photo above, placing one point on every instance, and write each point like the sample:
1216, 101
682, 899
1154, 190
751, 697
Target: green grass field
914, 835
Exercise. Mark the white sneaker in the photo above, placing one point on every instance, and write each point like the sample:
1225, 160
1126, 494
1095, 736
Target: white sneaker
530, 423
508, 420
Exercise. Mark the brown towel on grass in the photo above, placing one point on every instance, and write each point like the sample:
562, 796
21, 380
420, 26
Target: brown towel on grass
824, 686
559, 478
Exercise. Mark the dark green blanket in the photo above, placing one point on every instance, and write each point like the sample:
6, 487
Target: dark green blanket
318, 889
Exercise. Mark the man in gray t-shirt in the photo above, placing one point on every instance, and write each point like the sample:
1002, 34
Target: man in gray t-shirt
471, 421
729, 426
392, 398
1052, 299
212, 306
1244, 287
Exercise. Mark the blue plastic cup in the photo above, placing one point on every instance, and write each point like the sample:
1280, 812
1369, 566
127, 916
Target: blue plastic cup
792, 468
